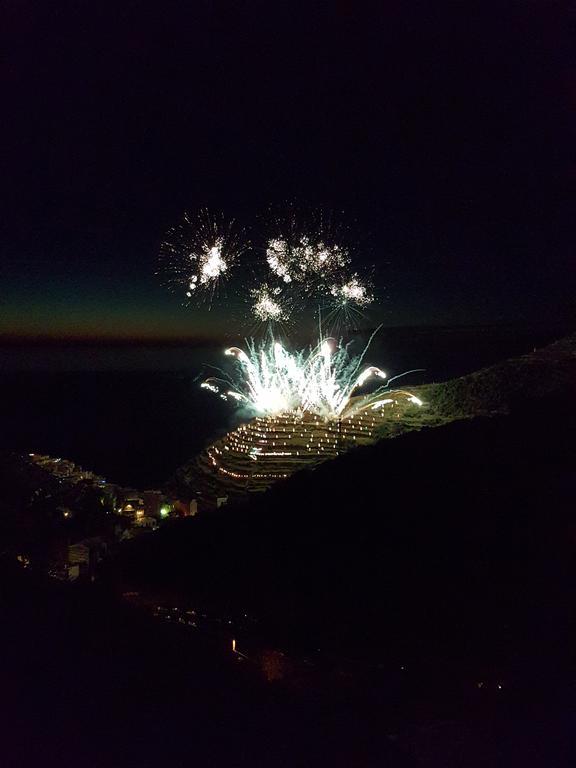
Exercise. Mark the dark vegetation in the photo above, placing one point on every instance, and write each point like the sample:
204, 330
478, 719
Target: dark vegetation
510, 385
501, 388
88, 681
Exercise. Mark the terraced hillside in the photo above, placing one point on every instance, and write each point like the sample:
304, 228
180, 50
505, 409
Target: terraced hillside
257, 454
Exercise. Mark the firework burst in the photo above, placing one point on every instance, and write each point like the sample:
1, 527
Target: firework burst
307, 263
309, 404
353, 291
307, 251
199, 254
325, 380
310, 254
269, 304
345, 303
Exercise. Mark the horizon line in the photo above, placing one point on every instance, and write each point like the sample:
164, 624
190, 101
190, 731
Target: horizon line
9, 339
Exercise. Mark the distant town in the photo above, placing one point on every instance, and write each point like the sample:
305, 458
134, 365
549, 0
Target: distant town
64, 519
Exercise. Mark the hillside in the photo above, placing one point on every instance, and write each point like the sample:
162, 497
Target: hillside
391, 524
433, 574
497, 389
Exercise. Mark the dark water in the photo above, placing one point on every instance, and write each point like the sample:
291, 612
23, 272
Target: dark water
135, 414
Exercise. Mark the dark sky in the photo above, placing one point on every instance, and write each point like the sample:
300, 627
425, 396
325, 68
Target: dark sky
445, 131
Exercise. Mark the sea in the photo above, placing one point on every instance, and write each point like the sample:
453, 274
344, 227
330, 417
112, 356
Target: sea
135, 413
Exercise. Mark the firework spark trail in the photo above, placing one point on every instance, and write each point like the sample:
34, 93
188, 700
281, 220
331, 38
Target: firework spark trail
341, 317
321, 380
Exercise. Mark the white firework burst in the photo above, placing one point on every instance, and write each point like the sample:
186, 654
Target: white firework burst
353, 291
200, 252
268, 304
304, 261
324, 380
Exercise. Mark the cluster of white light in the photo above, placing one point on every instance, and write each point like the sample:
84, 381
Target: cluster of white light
321, 381
209, 263
277, 256
304, 259
200, 252
353, 291
267, 304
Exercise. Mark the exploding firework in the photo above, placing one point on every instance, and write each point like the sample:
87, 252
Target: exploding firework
308, 405
310, 254
324, 381
345, 302
200, 253
307, 266
353, 291
268, 304
305, 262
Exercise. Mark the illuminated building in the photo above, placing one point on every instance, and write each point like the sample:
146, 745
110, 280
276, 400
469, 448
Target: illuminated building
132, 504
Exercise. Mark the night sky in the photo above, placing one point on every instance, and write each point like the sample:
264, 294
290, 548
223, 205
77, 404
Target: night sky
444, 131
